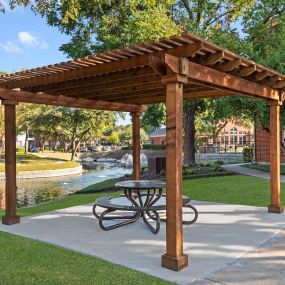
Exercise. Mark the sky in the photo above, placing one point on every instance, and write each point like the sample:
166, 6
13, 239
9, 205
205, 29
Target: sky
26, 41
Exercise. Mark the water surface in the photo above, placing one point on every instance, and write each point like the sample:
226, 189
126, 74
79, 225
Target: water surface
40, 190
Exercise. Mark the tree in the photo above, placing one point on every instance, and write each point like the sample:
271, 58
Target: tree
77, 124
102, 25
114, 138
264, 27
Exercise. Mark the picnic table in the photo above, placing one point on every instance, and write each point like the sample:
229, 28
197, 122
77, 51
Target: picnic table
143, 197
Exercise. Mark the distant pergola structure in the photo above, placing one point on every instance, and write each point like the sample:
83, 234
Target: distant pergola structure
168, 70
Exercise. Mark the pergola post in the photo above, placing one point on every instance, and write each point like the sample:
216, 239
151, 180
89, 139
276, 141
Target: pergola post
136, 146
275, 206
174, 258
10, 217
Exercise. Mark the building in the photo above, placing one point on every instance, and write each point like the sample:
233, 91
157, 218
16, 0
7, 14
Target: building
158, 136
231, 137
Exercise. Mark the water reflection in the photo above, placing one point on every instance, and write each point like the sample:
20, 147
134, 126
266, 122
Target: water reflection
41, 190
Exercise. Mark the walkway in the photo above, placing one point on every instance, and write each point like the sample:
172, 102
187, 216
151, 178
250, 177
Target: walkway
263, 266
220, 240
237, 168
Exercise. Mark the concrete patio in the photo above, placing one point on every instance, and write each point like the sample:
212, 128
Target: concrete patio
223, 236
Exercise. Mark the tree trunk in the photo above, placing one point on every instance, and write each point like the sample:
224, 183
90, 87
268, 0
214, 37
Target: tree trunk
26, 140
189, 133
74, 149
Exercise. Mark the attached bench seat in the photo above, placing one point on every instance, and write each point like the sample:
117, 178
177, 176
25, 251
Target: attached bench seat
105, 202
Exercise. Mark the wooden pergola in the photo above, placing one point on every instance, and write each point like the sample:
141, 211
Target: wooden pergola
168, 70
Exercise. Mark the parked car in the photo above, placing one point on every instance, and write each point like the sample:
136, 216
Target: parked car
96, 148
34, 149
107, 148
83, 149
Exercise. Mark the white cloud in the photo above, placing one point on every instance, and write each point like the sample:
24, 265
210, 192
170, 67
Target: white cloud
31, 41
25, 40
11, 47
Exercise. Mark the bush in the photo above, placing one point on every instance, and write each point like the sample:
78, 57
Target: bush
20, 149
219, 162
154, 146
248, 154
190, 170
127, 148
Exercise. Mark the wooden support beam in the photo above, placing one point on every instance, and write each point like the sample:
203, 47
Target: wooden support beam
118, 65
134, 74
29, 97
136, 146
279, 84
219, 80
245, 71
186, 50
229, 66
95, 86
174, 258
275, 206
214, 58
261, 75
10, 217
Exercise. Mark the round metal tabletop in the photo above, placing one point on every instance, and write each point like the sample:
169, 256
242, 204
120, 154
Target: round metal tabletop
141, 184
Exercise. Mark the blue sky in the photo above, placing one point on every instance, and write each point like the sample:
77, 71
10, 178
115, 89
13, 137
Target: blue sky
26, 41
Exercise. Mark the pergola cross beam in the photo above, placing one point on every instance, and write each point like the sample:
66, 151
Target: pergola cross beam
46, 99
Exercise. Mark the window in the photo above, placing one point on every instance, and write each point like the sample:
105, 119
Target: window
242, 140
233, 136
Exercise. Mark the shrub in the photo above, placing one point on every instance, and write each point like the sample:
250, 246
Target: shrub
248, 154
190, 170
154, 146
20, 149
219, 162
146, 146
127, 147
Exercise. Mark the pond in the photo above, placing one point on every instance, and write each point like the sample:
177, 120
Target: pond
40, 190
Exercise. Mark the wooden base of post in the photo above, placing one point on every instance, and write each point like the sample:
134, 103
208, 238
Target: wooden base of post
275, 209
7, 220
175, 264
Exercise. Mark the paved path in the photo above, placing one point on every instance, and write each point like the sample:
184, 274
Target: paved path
250, 172
263, 266
223, 235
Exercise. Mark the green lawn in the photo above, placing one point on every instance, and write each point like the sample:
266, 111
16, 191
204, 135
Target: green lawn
31, 162
263, 167
237, 189
234, 189
28, 262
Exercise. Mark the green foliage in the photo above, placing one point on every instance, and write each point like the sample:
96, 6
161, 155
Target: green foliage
129, 147
61, 123
20, 149
114, 138
154, 117
248, 154
219, 162
154, 146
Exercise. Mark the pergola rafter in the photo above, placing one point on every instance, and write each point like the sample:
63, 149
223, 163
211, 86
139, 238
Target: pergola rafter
168, 70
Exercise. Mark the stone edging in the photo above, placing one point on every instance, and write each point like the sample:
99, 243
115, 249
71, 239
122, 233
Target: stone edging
46, 173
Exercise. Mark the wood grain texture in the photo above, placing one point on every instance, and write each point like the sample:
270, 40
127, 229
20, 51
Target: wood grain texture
174, 258
136, 146
10, 165
29, 97
275, 206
